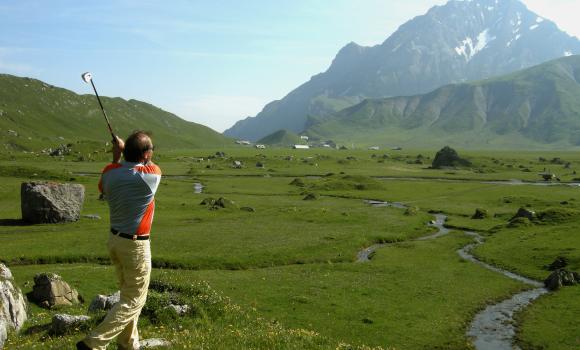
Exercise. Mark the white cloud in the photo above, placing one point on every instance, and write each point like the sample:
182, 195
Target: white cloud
219, 112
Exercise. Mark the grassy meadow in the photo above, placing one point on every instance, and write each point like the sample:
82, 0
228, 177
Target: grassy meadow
276, 271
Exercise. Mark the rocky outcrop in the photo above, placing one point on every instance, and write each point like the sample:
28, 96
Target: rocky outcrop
63, 323
12, 305
448, 157
560, 278
104, 302
51, 290
50, 202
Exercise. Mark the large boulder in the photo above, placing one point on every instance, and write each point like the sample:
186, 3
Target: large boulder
12, 305
448, 157
560, 278
104, 302
50, 202
63, 323
51, 290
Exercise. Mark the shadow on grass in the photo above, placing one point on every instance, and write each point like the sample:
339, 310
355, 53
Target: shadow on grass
14, 222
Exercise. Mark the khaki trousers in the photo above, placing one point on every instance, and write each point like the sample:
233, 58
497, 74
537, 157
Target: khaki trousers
132, 260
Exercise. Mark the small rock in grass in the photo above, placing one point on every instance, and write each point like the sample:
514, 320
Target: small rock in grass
480, 214
311, 197
92, 217
104, 302
63, 323
179, 309
248, 209
524, 213
559, 263
51, 290
560, 278
153, 343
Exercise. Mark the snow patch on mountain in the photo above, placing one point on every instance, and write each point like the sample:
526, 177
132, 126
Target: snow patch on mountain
469, 47
534, 26
568, 53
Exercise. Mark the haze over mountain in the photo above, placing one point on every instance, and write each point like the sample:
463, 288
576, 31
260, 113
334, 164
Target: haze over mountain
35, 115
537, 107
456, 42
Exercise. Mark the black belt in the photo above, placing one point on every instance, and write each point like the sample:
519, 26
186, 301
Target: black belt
128, 236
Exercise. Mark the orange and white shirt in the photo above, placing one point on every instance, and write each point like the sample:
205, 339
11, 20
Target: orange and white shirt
130, 190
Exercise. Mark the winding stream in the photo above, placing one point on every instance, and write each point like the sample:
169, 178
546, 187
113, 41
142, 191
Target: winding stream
494, 327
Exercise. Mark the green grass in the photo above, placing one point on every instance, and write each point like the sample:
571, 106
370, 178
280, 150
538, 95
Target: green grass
289, 267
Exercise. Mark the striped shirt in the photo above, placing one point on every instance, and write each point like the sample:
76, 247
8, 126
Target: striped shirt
130, 191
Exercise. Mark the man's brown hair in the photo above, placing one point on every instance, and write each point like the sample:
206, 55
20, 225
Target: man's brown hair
136, 145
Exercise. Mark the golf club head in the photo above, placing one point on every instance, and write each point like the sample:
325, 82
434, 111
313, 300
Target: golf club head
87, 77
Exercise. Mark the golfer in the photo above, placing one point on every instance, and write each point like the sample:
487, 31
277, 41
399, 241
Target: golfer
129, 187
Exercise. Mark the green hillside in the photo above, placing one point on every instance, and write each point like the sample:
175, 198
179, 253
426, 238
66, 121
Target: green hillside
35, 115
281, 138
534, 108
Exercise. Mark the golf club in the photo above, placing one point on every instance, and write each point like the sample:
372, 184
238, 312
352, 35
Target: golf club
88, 77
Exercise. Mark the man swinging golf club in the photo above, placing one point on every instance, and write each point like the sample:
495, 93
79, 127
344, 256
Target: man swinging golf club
129, 187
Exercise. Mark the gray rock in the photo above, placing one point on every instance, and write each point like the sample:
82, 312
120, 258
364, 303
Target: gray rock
50, 290
92, 216
104, 302
237, 164
12, 305
63, 323
3, 333
153, 343
179, 309
524, 213
50, 202
560, 278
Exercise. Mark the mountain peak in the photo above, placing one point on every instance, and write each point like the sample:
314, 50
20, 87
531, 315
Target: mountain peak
456, 42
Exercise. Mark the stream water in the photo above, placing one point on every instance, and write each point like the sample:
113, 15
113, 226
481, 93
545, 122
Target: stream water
494, 327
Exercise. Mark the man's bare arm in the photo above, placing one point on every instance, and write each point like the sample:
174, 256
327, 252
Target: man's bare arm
118, 147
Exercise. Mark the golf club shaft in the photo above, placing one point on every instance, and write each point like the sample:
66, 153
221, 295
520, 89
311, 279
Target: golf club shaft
103, 109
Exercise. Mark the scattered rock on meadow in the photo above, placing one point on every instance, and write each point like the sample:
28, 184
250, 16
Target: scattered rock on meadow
12, 305
225, 203
411, 211
153, 343
560, 278
237, 164
63, 323
311, 197
298, 182
51, 290
104, 302
557, 264
480, 214
259, 165
248, 209
50, 202
92, 217
524, 213
179, 309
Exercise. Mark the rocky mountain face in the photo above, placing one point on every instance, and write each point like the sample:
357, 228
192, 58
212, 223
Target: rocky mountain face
535, 106
457, 42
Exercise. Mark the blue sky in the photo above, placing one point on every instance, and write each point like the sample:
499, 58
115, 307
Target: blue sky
212, 62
